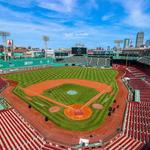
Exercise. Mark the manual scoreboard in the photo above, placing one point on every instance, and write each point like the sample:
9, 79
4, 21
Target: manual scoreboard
79, 50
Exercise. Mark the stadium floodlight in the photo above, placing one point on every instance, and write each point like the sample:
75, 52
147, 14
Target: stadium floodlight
118, 42
45, 39
4, 36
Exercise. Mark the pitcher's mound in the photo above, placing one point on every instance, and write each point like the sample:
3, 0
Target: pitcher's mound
78, 112
54, 109
97, 106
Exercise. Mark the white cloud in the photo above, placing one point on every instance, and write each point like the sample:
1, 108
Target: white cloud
107, 17
75, 35
64, 6
27, 28
8, 15
136, 13
138, 19
55, 5
26, 34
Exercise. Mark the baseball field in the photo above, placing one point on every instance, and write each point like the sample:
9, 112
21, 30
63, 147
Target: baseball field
73, 98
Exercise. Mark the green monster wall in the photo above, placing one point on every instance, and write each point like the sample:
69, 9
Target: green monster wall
28, 62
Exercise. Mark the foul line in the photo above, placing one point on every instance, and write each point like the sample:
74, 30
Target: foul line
49, 99
93, 99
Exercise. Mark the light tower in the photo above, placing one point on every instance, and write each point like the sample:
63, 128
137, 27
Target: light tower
118, 42
46, 39
4, 36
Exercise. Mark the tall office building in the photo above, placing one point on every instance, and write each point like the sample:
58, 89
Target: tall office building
126, 43
147, 43
139, 39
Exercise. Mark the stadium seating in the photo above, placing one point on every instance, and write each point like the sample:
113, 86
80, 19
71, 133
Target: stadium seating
98, 62
145, 60
136, 73
124, 142
16, 133
75, 60
136, 130
90, 61
3, 84
94, 61
137, 121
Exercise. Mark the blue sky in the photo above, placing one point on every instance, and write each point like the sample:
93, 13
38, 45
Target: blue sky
91, 22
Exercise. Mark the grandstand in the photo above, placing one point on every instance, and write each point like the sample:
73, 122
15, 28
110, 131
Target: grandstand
99, 62
17, 133
86, 61
136, 130
75, 60
145, 59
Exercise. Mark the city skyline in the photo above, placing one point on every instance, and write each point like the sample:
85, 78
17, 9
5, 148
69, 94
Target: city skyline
94, 22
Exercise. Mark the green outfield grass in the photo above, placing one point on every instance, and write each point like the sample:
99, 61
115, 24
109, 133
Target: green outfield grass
59, 94
83, 94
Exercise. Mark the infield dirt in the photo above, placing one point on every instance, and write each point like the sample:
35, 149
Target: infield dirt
39, 88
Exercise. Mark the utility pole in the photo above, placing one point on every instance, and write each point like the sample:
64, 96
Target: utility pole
4, 36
